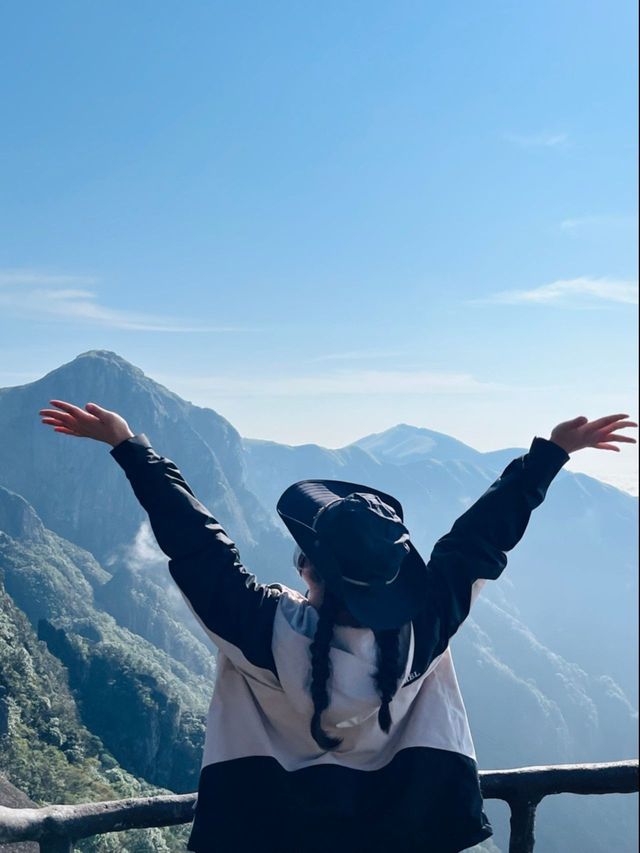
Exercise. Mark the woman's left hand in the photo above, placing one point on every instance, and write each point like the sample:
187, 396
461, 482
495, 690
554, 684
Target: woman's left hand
96, 422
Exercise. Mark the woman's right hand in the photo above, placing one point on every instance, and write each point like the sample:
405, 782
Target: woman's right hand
581, 432
96, 422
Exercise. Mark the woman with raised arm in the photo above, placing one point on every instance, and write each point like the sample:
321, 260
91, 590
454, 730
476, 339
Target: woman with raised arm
336, 722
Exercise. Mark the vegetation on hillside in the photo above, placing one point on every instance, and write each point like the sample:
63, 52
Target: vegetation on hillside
47, 752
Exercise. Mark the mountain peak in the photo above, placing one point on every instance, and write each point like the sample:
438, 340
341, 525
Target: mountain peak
97, 366
107, 354
105, 358
407, 443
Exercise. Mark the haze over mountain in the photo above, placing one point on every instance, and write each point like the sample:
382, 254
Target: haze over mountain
546, 660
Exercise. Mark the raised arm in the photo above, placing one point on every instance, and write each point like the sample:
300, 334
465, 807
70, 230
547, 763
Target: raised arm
204, 562
226, 599
183, 527
476, 547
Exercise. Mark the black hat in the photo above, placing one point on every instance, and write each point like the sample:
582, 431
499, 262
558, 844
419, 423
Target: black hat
356, 538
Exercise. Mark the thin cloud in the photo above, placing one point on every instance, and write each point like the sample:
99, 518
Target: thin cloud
539, 140
571, 292
346, 382
42, 279
67, 298
587, 224
143, 552
69, 294
357, 355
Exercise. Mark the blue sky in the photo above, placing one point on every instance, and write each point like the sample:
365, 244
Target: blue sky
325, 219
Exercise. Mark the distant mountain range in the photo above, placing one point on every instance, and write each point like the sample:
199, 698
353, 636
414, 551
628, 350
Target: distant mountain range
547, 660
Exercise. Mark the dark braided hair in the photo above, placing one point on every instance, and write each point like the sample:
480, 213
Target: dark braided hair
387, 674
321, 669
386, 677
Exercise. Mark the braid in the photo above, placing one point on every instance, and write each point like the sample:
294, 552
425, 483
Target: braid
386, 676
388, 673
321, 669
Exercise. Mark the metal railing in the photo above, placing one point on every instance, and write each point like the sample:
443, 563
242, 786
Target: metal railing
57, 828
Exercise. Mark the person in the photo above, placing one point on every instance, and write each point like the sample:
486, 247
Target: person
336, 721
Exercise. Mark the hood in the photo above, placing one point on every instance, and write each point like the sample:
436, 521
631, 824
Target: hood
352, 693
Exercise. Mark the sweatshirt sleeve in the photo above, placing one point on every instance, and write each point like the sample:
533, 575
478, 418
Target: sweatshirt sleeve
476, 546
226, 599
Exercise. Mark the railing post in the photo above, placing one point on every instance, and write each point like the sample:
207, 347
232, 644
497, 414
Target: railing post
55, 844
523, 817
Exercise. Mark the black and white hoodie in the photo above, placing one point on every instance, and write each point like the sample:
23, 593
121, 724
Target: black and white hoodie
265, 785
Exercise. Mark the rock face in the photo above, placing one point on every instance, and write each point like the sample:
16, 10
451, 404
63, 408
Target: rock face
146, 725
154, 611
18, 519
13, 798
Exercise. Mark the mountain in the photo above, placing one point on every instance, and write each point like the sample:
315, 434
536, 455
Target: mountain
404, 444
81, 494
42, 465
144, 705
47, 750
546, 659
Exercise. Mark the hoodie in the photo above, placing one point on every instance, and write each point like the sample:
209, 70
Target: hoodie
264, 782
